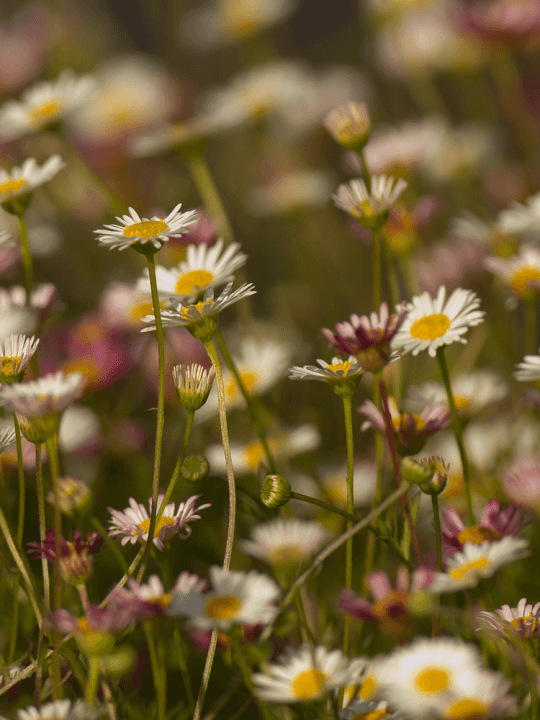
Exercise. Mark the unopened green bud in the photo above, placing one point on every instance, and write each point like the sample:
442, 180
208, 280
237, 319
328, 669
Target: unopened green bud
38, 429
439, 475
121, 661
415, 473
195, 468
276, 491
193, 384
93, 642
421, 603
76, 567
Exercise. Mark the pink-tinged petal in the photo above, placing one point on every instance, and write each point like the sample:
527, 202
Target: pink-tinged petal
422, 578
451, 522
350, 603
490, 513
402, 579
379, 584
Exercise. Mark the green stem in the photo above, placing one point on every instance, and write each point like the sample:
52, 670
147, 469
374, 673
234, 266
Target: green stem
156, 670
347, 408
131, 569
533, 690
113, 547
42, 528
365, 171
52, 452
204, 182
178, 467
212, 352
458, 432
437, 521
28, 267
304, 625
4, 527
255, 417
20, 530
160, 410
180, 648
324, 505
92, 680
531, 339
377, 275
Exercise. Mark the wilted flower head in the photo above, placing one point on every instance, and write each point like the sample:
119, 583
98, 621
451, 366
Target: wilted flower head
75, 558
368, 337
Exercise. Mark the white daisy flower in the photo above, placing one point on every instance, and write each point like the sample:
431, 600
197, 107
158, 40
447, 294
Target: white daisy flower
334, 483
22, 180
134, 229
234, 597
479, 695
434, 322
524, 619
285, 541
60, 710
205, 266
290, 192
472, 392
222, 22
304, 675
15, 354
134, 522
466, 568
521, 272
336, 369
44, 103
45, 396
529, 369
261, 363
247, 458
190, 315
79, 430
171, 135
522, 219
369, 208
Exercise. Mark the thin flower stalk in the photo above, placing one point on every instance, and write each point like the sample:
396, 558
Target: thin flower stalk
19, 536
113, 547
366, 173
180, 649
129, 572
458, 432
250, 402
214, 357
347, 408
245, 670
157, 670
531, 320
377, 269
160, 408
395, 463
28, 267
437, 521
42, 528
92, 680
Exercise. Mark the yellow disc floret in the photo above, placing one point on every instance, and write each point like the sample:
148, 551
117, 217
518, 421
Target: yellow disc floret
309, 683
145, 229
430, 327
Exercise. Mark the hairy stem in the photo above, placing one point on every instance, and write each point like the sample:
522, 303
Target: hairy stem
437, 521
347, 408
178, 467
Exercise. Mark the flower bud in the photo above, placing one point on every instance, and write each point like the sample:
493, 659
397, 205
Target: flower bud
415, 473
37, 429
76, 567
195, 468
349, 125
276, 491
193, 384
439, 475
74, 496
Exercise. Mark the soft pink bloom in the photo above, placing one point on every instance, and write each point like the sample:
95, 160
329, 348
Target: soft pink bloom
43, 298
98, 620
451, 263
150, 599
390, 606
522, 482
23, 47
508, 22
202, 232
494, 524
523, 619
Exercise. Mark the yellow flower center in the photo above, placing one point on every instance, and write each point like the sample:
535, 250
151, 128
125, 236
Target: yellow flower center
287, 554
12, 187
373, 715
309, 683
223, 608
523, 279
10, 365
466, 709
478, 535
249, 378
200, 305
531, 623
140, 309
433, 680
162, 600
368, 688
462, 403
460, 572
164, 521
45, 112
255, 453
145, 229
380, 607
84, 365
364, 209
193, 281
239, 17
401, 423
84, 626
342, 366
430, 327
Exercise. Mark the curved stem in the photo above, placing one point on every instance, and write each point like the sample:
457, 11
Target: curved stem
437, 521
365, 171
458, 432
28, 267
324, 505
20, 530
178, 467
131, 569
389, 429
204, 182
255, 418
42, 528
212, 352
347, 408
160, 410
109, 542
156, 670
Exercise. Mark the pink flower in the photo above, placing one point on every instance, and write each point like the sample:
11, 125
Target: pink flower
523, 619
151, 600
522, 483
508, 22
494, 524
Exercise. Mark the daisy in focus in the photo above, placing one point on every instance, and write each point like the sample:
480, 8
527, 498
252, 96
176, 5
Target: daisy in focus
474, 562
133, 523
15, 354
234, 597
134, 229
523, 619
204, 267
370, 208
44, 103
20, 181
305, 675
285, 541
341, 375
434, 322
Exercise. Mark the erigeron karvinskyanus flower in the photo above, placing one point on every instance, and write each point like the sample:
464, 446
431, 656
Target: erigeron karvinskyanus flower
74, 496
193, 384
520, 273
349, 125
200, 319
285, 541
74, 558
529, 369
133, 523
204, 267
370, 208
151, 599
15, 354
17, 183
495, 523
524, 620
134, 230
343, 376
434, 322
368, 337
60, 710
